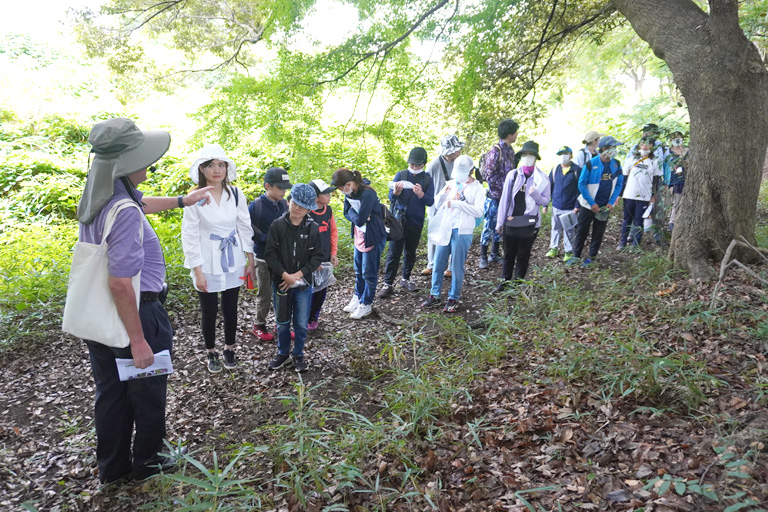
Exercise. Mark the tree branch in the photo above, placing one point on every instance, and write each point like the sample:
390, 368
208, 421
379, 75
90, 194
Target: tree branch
385, 48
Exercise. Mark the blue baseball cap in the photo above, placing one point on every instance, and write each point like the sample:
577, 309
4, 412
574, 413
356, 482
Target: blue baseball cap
304, 196
563, 150
608, 142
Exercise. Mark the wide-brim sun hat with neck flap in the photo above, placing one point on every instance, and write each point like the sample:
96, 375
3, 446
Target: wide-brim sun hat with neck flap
120, 149
212, 152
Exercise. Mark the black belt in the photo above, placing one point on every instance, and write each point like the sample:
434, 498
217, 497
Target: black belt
149, 296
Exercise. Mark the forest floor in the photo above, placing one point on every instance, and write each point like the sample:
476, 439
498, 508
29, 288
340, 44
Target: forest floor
537, 425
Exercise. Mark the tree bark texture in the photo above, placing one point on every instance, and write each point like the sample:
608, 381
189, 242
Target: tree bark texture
725, 83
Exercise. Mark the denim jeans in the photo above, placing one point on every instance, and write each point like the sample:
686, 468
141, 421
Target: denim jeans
558, 231
299, 303
367, 272
457, 249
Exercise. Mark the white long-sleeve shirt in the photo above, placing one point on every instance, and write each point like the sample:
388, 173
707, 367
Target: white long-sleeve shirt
229, 220
463, 211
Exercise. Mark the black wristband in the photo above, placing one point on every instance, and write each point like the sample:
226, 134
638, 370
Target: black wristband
181, 201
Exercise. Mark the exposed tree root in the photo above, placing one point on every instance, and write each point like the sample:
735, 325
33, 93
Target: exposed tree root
728, 262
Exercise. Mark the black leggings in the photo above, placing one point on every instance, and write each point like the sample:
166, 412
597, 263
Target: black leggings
209, 307
517, 254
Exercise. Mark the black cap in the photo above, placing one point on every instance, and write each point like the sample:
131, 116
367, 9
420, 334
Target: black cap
650, 127
418, 156
278, 177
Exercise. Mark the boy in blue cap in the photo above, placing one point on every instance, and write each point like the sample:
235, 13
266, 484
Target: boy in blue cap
293, 251
600, 184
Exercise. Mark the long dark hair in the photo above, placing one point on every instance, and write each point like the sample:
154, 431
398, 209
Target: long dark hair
343, 175
202, 182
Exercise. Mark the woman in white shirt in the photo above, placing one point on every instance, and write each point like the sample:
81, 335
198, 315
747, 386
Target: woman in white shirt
459, 204
218, 248
641, 170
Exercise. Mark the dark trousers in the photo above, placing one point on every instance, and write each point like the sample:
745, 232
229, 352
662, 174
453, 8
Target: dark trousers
517, 254
318, 299
586, 219
209, 309
409, 242
632, 227
121, 406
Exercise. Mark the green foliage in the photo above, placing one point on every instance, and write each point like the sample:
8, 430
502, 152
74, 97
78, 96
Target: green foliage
34, 266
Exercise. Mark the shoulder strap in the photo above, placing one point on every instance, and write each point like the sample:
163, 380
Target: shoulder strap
257, 206
445, 171
112, 216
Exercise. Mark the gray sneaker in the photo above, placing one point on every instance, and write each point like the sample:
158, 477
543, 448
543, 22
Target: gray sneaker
405, 283
214, 364
279, 361
483, 261
299, 364
230, 361
385, 291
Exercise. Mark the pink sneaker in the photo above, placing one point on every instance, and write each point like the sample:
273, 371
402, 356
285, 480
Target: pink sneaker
313, 325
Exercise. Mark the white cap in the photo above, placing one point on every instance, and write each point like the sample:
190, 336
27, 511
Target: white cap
462, 167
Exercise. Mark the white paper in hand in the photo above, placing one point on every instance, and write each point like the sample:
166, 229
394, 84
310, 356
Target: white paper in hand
647, 212
407, 185
161, 366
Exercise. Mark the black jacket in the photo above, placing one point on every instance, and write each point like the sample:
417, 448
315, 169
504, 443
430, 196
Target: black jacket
292, 248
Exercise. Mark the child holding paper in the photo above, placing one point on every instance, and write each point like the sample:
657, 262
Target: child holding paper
564, 183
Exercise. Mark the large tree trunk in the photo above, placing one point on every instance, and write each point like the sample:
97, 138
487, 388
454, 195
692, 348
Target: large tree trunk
725, 84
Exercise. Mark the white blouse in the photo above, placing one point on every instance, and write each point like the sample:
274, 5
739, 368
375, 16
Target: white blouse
216, 236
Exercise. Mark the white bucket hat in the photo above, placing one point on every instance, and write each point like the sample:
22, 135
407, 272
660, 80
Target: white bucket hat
120, 149
212, 152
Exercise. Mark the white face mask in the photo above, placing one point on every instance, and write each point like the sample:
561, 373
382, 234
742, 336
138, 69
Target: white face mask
644, 152
612, 152
415, 171
677, 142
460, 177
347, 191
566, 158
528, 161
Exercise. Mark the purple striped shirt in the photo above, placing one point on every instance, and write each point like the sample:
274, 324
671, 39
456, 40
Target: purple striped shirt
127, 255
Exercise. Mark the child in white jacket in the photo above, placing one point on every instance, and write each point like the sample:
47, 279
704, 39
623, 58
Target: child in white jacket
458, 206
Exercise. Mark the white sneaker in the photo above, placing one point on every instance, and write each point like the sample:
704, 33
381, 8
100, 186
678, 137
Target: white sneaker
361, 311
353, 303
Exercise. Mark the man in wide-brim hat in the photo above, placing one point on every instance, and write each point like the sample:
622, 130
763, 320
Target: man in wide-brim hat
122, 156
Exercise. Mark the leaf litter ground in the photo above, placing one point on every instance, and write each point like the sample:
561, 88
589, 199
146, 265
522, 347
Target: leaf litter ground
521, 428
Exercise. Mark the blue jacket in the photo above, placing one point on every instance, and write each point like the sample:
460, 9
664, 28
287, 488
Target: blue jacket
565, 187
409, 201
370, 215
589, 181
262, 217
